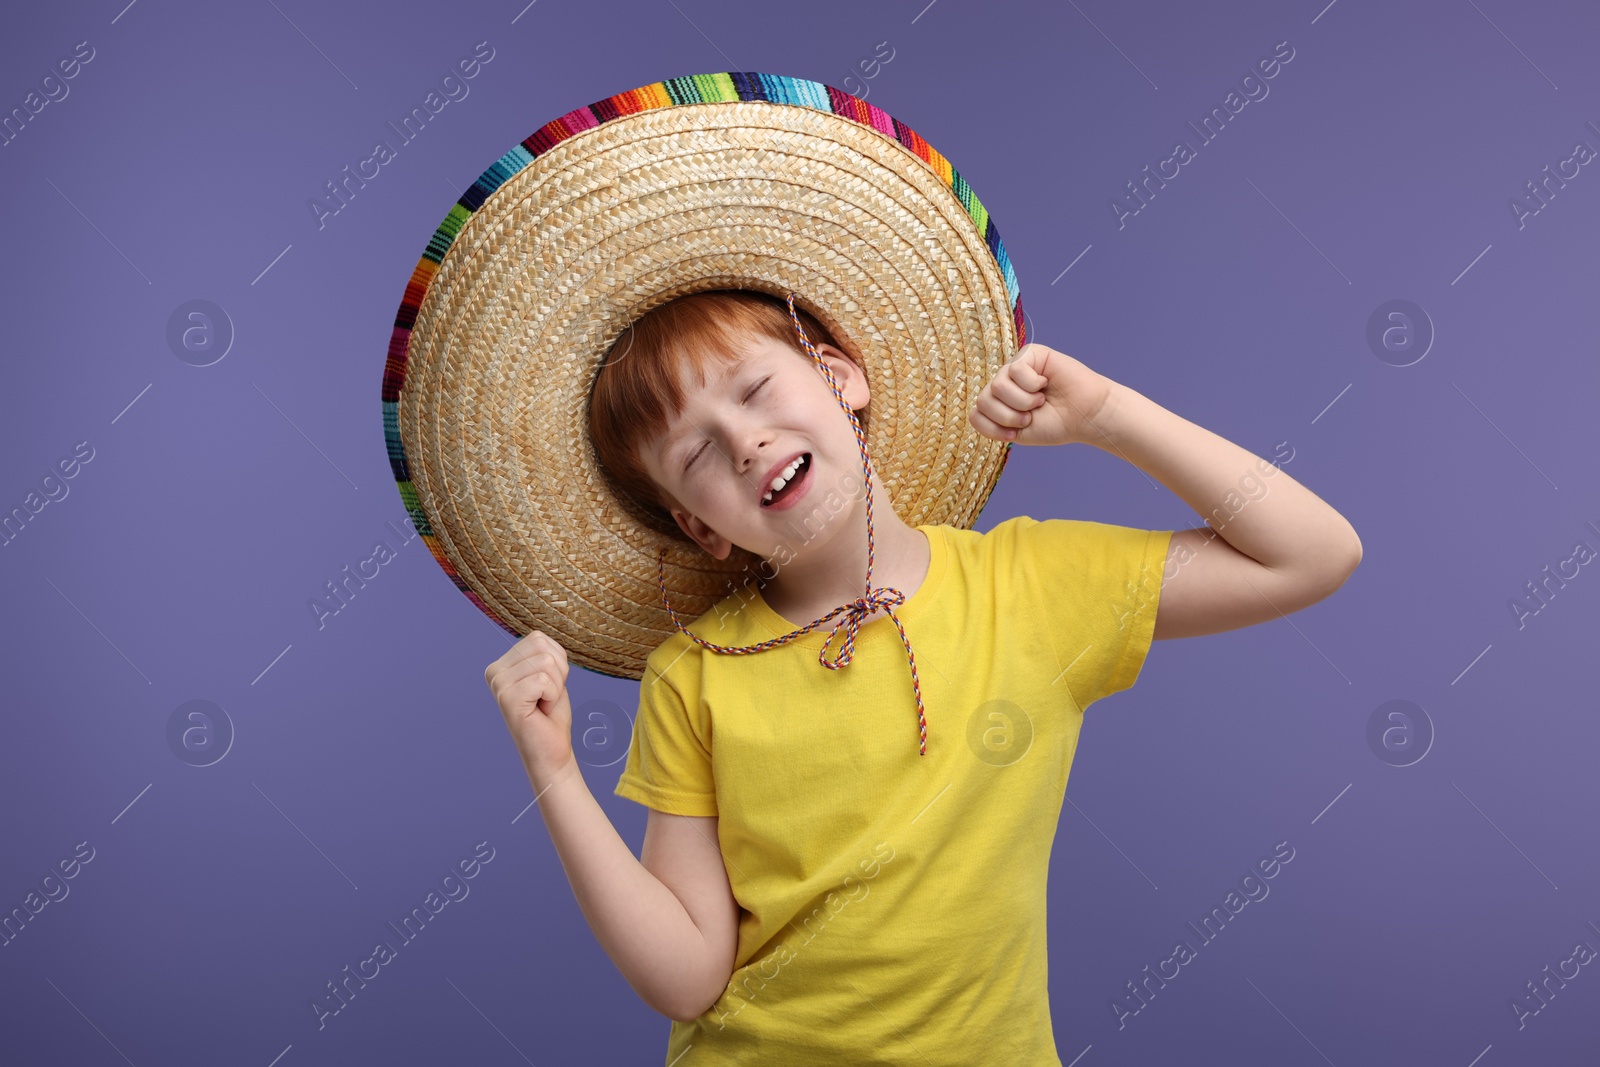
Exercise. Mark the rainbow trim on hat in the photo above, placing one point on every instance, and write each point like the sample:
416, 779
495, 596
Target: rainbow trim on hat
691, 89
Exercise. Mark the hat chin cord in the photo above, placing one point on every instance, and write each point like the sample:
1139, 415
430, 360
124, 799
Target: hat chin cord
883, 597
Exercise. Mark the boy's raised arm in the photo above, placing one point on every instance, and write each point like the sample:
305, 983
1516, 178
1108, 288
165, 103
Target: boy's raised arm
1270, 545
648, 931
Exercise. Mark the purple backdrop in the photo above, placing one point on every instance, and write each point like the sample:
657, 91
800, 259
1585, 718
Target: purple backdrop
230, 857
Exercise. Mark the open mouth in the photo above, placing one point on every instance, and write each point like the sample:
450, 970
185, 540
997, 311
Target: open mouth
796, 480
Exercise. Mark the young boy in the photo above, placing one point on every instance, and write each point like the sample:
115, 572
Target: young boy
811, 889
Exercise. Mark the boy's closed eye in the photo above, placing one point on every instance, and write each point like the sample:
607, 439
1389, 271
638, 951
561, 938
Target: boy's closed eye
748, 394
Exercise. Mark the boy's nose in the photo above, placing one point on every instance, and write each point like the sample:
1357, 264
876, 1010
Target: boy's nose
754, 450
754, 461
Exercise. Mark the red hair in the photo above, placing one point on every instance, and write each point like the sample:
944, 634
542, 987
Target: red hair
636, 392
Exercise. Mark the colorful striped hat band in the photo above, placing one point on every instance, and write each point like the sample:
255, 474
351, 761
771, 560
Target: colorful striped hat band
717, 181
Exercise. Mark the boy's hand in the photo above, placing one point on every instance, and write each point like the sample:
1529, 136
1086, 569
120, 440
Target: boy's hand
1041, 397
530, 684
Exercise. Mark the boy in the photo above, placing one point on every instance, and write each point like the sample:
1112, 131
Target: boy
810, 890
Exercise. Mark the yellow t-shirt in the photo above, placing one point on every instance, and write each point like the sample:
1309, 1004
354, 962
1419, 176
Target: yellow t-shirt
893, 905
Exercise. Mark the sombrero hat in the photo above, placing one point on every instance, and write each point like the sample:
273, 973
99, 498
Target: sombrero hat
712, 181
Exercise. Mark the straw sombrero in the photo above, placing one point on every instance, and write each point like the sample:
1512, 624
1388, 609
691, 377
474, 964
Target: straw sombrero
713, 181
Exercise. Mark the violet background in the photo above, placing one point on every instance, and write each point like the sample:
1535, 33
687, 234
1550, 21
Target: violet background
1380, 166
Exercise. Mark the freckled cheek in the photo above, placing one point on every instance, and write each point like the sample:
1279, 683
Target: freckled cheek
736, 496
704, 498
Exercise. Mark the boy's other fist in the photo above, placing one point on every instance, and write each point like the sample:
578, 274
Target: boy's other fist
530, 684
1041, 397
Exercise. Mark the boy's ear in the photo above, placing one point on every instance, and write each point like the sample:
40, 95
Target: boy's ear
852, 380
703, 535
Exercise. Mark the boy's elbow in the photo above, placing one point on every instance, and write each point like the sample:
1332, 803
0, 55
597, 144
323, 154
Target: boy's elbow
683, 1010
677, 1007
1335, 577
689, 999
672, 1005
1353, 559
1319, 580
1340, 563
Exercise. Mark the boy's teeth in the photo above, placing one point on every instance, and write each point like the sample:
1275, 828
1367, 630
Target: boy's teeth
788, 472
782, 479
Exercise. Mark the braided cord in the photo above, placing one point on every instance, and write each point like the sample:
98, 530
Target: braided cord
883, 597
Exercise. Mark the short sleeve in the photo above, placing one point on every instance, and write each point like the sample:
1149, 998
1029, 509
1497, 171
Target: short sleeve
1097, 587
669, 757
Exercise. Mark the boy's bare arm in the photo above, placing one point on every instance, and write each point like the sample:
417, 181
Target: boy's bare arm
669, 923
1288, 528
1270, 545
666, 923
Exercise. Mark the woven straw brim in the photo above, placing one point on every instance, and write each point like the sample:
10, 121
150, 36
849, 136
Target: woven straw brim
619, 218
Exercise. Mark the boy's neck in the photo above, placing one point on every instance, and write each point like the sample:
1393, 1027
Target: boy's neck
829, 571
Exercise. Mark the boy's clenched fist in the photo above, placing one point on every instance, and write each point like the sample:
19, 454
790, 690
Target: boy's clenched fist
1042, 397
530, 684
